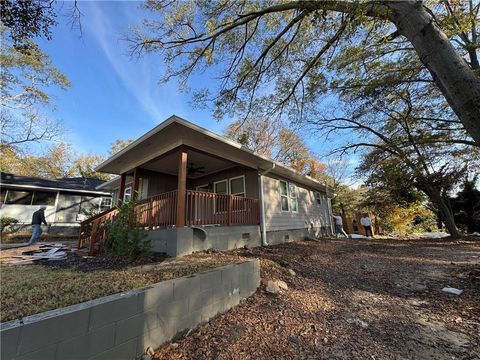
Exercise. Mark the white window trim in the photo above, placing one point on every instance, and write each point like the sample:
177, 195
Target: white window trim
230, 185
218, 182
291, 198
128, 187
288, 196
318, 197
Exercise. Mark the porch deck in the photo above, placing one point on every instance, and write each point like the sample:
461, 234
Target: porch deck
161, 211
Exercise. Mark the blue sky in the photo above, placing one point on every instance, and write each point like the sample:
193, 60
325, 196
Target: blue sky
114, 95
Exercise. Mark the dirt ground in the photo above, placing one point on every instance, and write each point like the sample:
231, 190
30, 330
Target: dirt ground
351, 299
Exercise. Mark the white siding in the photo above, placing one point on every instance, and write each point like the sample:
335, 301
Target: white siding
309, 212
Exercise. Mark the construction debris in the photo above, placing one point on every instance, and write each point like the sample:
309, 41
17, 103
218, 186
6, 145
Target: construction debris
46, 252
451, 290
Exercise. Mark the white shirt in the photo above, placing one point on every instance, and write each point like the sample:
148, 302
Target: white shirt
338, 220
365, 221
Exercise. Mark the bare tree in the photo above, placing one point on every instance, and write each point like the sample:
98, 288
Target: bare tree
283, 47
25, 79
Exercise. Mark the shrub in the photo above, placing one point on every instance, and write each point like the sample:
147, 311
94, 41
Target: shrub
6, 221
415, 218
125, 237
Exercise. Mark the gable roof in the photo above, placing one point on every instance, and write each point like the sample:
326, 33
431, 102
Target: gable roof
176, 131
75, 184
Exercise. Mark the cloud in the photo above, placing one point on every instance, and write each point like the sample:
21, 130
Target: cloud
140, 77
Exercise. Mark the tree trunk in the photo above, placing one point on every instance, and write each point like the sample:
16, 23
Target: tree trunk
456, 80
445, 211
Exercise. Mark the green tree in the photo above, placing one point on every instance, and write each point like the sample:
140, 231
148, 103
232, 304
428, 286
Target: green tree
282, 49
465, 204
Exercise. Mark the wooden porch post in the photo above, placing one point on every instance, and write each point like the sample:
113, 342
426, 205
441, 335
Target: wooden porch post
122, 188
136, 182
182, 186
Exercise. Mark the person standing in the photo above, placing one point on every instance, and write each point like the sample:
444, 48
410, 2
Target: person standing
339, 226
367, 225
38, 218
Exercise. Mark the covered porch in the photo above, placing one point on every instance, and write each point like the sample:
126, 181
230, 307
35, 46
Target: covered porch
184, 187
187, 187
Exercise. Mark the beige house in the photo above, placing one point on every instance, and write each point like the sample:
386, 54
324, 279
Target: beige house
197, 190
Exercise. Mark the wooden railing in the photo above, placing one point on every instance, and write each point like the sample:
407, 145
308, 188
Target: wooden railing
95, 230
201, 208
158, 211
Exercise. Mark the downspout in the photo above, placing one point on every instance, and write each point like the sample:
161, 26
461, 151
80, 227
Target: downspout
263, 228
330, 214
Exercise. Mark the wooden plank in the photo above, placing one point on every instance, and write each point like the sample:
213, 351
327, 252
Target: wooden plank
136, 183
122, 188
229, 210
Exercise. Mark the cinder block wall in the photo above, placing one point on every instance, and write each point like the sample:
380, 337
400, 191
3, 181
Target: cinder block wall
122, 326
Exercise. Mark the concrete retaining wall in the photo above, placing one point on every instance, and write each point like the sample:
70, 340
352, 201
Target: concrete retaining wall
122, 326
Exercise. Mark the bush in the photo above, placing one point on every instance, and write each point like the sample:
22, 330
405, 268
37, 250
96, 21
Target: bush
125, 237
415, 218
6, 221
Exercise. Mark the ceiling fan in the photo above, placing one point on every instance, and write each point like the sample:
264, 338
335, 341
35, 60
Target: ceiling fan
193, 170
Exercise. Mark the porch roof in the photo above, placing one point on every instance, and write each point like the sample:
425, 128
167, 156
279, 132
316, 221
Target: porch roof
176, 131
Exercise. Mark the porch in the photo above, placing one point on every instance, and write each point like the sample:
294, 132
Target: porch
182, 188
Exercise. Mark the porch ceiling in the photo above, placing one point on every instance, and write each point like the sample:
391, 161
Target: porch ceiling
169, 164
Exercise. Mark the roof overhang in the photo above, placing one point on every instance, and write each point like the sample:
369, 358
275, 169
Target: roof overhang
175, 132
34, 187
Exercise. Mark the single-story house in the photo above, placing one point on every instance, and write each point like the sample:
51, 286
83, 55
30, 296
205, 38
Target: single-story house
198, 190
69, 201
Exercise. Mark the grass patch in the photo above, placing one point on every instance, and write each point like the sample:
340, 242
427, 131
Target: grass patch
31, 289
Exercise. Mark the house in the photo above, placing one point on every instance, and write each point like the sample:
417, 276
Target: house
197, 190
68, 200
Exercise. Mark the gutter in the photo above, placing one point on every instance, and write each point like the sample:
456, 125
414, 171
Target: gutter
262, 205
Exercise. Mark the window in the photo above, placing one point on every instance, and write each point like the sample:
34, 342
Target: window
19, 197
284, 195
237, 186
220, 187
292, 189
44, 198
318, 198
127, 195
106, 203
3, 194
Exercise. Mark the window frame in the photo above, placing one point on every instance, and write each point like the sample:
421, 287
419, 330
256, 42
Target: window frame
227, 190
290, 197
244, 192
55, 195
129, 194
282, 196
14, 191
217, 205
318, 198
104, 207
2, 201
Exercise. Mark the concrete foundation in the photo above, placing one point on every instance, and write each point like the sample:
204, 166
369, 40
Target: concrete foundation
122, 326
283, 236
183, 241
